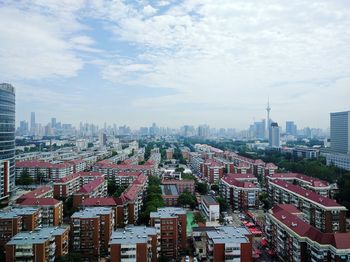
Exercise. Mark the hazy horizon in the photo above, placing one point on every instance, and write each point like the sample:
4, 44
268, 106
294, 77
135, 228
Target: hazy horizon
177, 62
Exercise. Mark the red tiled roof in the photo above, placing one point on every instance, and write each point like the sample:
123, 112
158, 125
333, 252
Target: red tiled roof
78, 175
243, 164
39, 202
91, 186
135, 174
259, 162
237, 183
324, 201
33, 164
99, 201
37, 192
312, 180
241, 176
287, 207
270, 166
303, 229
131, 192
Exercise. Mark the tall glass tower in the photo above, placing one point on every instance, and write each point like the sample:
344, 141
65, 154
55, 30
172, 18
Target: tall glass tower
7, 140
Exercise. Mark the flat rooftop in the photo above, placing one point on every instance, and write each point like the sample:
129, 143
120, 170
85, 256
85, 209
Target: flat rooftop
132, 235
15, 212
209, 200
92, 212
36, 236
227, 234
168, 212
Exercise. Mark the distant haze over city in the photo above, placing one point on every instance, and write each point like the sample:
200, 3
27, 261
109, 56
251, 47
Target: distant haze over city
177, 62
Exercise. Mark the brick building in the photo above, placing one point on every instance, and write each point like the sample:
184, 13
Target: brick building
170, 223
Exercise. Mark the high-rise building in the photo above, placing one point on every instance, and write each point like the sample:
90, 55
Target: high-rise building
53, 122
32, 123
291, 128
7, 139
274, 135
268, 123
103, 139
340, 132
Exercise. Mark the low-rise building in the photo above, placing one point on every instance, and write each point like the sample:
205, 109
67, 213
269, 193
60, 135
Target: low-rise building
170, 223
40, 192
134, 243
293, 239
170, 194
239, 194
182, 185
42, 245
210, 208
321, 212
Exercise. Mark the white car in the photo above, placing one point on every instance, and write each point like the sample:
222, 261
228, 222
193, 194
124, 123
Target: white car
187, 259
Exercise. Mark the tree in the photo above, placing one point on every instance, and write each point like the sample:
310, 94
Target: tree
118, 191
111, 187
202, 188
215, 188
187, 199
223, 204
70, 257
25, 179
198, 218
263, 197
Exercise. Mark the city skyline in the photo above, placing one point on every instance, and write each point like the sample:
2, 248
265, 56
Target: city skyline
177, 62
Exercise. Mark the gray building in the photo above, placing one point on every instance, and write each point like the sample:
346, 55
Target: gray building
274, 135
291, 128
7, 140
340, 132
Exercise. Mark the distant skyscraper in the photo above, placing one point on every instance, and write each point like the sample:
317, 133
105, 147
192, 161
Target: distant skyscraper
340, 132
268, 109
103, 139
291, 128
274, 135
7, 138
53, 122
32, 123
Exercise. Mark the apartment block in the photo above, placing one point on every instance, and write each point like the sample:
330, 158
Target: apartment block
134, 243
212, 170
40, 192
70, 184
210, 208
239, 194
40, 245
182, 185
170, 223
321, 212
110, 169
293, 239
95, 188
51, 209
319, 186
91, 229
229, 244
170, 194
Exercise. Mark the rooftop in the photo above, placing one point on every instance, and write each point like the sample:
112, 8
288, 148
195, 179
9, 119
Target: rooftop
227, 234
307, 194
168, 212
169, 190
39, 202
132, 235
242, 184
37, 236
209, 200
92, 212
99, 201
37, 192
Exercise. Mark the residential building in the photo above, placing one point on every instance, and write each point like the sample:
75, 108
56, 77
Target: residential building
7, 145
134, 243
212, 170
170, 194
42, 245
51, 209
229, 244
181, 185
339, 160
314, 184
40, 192
170, 223
72, 183
321, 212
95, 188
169, 153
239, 194
293, 239
210, 208
306, 152
91, 230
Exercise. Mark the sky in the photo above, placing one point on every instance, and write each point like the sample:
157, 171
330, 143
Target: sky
177, 62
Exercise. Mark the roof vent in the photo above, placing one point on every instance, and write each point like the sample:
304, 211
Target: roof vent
283, 217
